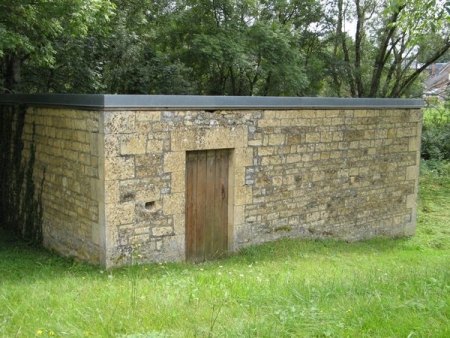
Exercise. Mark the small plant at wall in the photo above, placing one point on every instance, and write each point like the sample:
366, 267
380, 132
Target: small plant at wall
21, 199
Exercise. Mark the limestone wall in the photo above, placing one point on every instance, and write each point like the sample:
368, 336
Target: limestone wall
343, 173
115, 169
69, 150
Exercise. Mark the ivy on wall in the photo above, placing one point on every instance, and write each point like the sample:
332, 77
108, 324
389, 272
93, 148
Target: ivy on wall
21, 212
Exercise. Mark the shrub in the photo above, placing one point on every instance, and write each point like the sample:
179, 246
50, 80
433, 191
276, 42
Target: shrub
436, 135
435, 168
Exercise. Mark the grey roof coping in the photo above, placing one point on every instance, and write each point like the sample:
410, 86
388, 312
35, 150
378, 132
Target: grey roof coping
184, 102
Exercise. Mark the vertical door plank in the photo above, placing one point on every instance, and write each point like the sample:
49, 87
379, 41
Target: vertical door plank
210, 221
221, 204
201, 207
191, 204
225, 176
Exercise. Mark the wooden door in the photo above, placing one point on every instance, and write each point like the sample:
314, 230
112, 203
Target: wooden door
206, 204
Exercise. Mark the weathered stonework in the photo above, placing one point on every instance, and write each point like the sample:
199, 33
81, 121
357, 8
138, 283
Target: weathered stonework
115, 179
69, 148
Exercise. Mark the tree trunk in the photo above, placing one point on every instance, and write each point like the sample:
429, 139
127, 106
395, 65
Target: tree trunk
358, 42
342, 38
11, 72
381, 59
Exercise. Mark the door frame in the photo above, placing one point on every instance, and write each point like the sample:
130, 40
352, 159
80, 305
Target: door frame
194, 138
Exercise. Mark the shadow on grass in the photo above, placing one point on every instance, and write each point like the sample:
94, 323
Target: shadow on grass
22, 262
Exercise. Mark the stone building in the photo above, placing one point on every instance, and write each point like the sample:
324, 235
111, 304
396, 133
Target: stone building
189, 177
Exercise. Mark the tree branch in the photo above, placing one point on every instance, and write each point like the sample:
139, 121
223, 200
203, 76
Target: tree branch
410, 79
380, 59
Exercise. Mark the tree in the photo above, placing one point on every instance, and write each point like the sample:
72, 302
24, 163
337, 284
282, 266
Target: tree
30, 32
240, 47
222, 47
390, 36
134, 62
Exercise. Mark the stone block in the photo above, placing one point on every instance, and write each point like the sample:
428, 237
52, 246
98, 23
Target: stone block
243, 195
96, 233
300, 122
143, 116
96, 189
142, 231
175, 161
118, 168
312, 137
412, 173
293, 115
158, 127
179, 224
198, 138
414, 144
133, 144
354, 135
239, 214
221, 138
276, 139
155, 146
178, 182
293, 139
111, 145
310, 114
183, 139
78, 124
264, 151
326, 137
121, 122
360, 113
174, 204
150, 194
411, 201
294, 158
255, 143
243, 157
162, 231
119, 214
268, 123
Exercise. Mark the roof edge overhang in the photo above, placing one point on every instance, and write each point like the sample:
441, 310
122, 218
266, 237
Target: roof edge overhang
187, 102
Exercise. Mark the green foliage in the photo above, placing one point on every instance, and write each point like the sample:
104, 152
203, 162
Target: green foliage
31, 31
435, 168
20, 203
184, 47
388, 40
234, 49
77, 67
221, 47
436, 134
436, 143
290, 288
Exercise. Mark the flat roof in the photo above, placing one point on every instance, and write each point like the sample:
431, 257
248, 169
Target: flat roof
185, 102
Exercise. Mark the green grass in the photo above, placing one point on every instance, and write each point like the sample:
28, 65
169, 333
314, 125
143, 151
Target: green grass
291, 288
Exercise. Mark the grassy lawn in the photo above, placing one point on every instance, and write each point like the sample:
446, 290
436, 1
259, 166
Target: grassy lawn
291, 288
